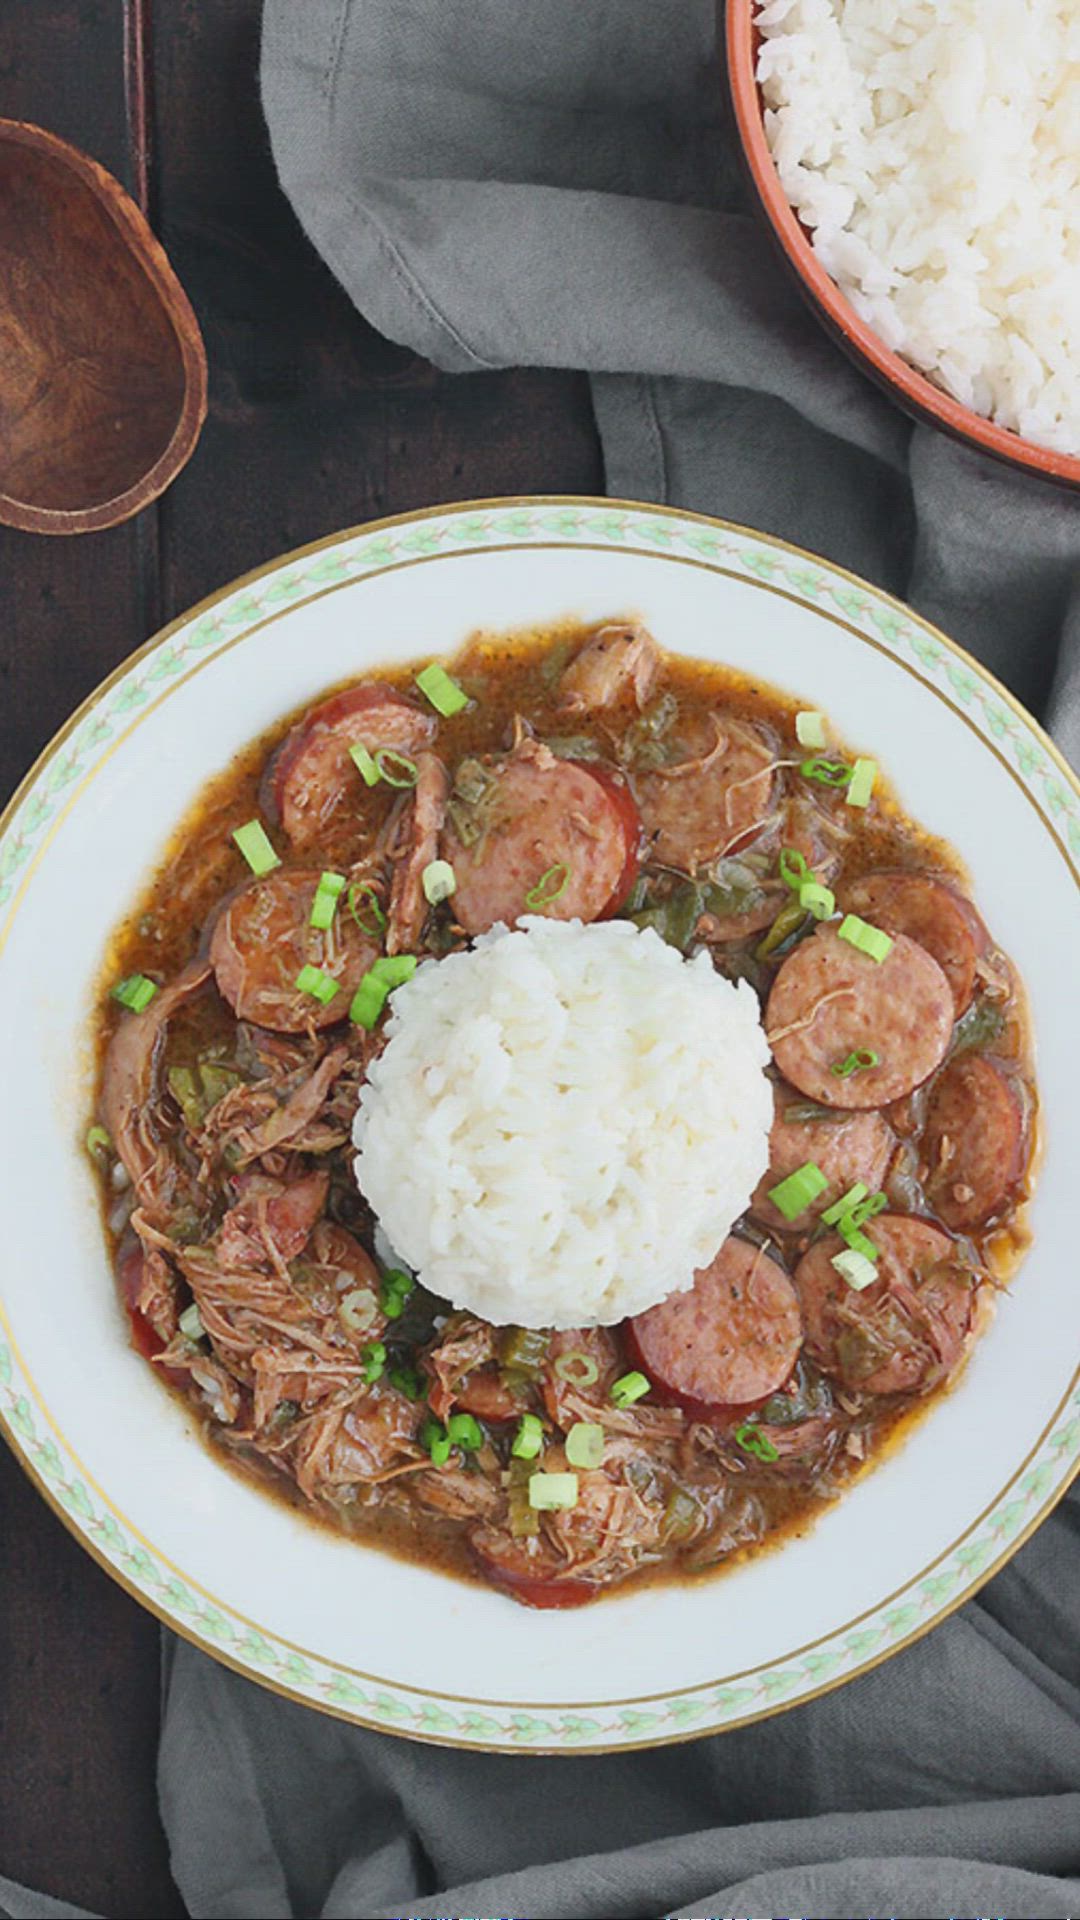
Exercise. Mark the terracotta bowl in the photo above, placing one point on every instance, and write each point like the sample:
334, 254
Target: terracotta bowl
102, 366
909, 388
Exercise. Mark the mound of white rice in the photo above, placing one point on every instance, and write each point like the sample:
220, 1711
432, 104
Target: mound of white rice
565, 1121
933, 147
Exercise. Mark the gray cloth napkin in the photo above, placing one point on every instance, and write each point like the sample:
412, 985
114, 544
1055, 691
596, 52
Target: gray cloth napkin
501, 182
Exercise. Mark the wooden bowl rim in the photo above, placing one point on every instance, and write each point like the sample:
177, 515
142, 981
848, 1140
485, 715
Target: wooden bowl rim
136, 233
915, 392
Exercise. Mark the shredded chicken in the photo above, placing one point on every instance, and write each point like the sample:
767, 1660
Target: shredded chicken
408, 906
464, 1345
619, 663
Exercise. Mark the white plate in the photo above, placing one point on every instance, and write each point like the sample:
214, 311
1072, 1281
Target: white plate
320, 1618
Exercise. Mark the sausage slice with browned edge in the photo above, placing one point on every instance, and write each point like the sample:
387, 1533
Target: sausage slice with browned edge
849, 1148
829, 1000
311, 774
263, 938
929, 911
973, 1142
545, 836
530, 1569
903, 1333
731, 1341
707, 803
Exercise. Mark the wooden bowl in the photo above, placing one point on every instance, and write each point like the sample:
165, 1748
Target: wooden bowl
909, 388
102, 365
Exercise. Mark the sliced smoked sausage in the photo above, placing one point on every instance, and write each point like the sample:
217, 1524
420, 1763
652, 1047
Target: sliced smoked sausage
542, 818
263, 938
830, 1000
311, 774
927, 910
730, 1341
906, 1331
705, 804
531, 1570
853, 1147
973, 1142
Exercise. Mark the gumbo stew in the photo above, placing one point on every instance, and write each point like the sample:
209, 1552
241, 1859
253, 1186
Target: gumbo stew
579, 773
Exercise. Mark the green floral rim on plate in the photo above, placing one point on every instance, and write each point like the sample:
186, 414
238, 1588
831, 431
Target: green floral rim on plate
52, 787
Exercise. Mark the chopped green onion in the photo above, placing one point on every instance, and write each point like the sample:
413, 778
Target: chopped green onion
375, 926
855, 1268
855, 1239
439, 881
368, 1002
436, 1441
408, 1381
394, 970
752, 1440
577, 1369
190, 1322
553, 1492
794, 1194
860, 1061
818, 900
325, 904
810, 729
136, 992
358, 1309
254, 843
374, 1362
861, 784
628, 1388
528, 1439
396, 768
827, 773
445, 695
395, 1290
867, 1209
585, 1444
365, 765
321, 986
99, 1143
869, 940
812, 896
794, 871
465, 1432
378, 982
850, 1214
845, 1204
550, 887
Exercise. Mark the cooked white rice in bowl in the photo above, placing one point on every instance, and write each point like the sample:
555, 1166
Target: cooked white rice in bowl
565, 1121
932, 149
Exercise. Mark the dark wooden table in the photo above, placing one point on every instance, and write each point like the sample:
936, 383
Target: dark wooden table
315, 422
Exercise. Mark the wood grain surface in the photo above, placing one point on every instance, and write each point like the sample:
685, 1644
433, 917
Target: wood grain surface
315, 422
